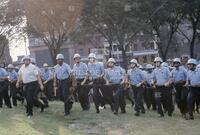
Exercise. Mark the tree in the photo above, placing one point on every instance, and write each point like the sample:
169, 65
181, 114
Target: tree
3, 44
164, 18
116, 20
52, 21
11, 17
192, 14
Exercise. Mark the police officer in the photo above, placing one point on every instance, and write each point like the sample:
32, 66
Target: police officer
4, 87
12, 81
47, 78
193, 81
62, 74
162, 80
40, 99
80, 71
30, 77
179, 76
137, 79
184, 60
149, 90
115, 77
96, 73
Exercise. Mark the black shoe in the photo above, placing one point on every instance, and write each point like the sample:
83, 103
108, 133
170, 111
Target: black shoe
0, 106
161, 115
137, 114
190, 118
170, 115
184, 116
143, 111
112, 108
42, 109
132, 104
123, 111
97, 111
115, 113
9, 106
67, 114
29, 114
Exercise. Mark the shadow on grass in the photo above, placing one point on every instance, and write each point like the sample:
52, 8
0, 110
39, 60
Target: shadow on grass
52, 122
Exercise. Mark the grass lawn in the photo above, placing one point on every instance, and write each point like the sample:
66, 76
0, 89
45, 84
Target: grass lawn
52, 122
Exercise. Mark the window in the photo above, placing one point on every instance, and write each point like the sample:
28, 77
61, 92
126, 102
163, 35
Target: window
135, 47
80, 51
71, 8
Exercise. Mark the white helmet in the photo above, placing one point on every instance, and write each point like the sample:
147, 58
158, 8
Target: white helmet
149, 66
177, 60
27, 57
59, 56
10, 66
158, 59
164, 64
33, 60
169, 60
111, 60
77, 55
134, 61
17, 67
198, 66
45, 65
92, 55
140, 66
192, 61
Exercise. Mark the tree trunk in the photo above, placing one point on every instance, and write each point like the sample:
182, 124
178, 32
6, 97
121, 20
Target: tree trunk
193, 41
53, 53
160, 51
110, 49
168, 45
124, 57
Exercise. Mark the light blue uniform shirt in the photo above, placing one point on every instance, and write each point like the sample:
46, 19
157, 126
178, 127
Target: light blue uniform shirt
136, 76
95, 70
149, 78
193, 77
80, 70
115, 75
46, 74
161, 75
3, 73
179, 74
62, 72
13, 75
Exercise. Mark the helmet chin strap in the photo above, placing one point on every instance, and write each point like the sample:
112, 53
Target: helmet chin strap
193, 68
133, 67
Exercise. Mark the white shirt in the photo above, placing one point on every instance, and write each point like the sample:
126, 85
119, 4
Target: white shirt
28, 73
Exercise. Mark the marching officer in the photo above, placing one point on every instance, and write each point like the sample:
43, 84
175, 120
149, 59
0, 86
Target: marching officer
193, 81
4, 87
30, 77
47, 78
149, 90
115, 77
179, 76
96, 73
62, 75
12, 81
40, 99
137, 80
162, 80
80, 71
